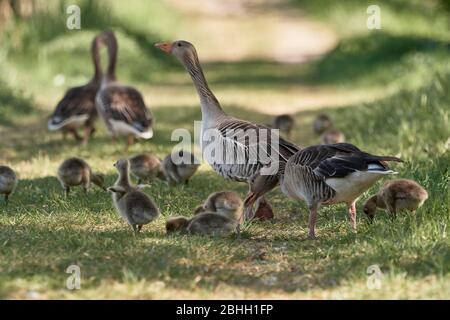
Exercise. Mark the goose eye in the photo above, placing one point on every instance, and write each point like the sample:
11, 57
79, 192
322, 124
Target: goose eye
179, 44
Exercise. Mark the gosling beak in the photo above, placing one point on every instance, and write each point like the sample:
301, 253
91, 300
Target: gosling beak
166, 47
250, 199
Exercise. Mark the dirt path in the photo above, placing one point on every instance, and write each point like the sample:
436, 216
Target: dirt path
235, 30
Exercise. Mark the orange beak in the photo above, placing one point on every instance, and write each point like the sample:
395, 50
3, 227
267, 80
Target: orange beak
166, 47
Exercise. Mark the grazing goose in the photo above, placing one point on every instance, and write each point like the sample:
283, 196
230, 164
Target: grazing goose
285, 123
327, 174
178, 167
205, 223
226, 203
322, 123
75, 171
228, 133
332, 136
397, 195
122, 107
135, 207
146, 167
77, 108
8, 181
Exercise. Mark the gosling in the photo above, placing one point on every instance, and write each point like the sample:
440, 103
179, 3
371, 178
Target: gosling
8, 182
225, 203
322, 123
179, 166
332, 136
75, 171
285, 123
396, 195
135, 207
146, 167
206, 223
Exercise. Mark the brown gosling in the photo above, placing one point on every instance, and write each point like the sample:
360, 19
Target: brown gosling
396, 195
285, 123
75, 171
135, 207
146, 167
332, 136
179, 166
226, 203
8, 181
205, 223
322, 123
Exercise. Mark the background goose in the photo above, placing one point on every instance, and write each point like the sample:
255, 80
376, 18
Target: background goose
122, 107
322, 123
327, 174
332, 136
227, 129
77, 108
397, 195
8, 181
134, 206
75, 171
146, 167
179, 166
285, 123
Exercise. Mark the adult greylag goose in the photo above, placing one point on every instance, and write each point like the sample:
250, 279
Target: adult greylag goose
327, 174
242, 159
146, 167
285, 123
226, 203
205, 223
77, 107
133, 205
8, 181
75, 172
322, 123
121, 107
396, 195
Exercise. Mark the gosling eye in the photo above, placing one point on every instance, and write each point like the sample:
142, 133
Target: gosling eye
179, 44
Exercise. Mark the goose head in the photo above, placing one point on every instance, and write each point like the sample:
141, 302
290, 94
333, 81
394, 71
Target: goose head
259, 185
98, 179
181, 49
370, 207
176, 224
122, 165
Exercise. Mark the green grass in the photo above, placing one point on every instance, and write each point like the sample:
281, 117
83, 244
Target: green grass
42, 233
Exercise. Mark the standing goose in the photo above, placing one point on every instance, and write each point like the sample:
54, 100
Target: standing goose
8, 181
227, 130
122, 107
77, 108
327, 174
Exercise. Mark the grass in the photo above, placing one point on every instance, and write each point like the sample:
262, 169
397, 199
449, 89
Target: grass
42, 233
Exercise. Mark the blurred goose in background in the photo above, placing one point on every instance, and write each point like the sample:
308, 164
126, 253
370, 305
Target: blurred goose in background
146, 167
8, 181
134, 206
327, 174
285, 123
397, 195
75, 171
332, 136
322, 123
122, 107
226, 130
77, 107
178, 167
205, 223
226, 203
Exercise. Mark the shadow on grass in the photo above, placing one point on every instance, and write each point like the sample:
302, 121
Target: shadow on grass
13, 105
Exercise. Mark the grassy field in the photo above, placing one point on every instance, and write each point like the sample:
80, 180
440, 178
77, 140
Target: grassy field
387, 90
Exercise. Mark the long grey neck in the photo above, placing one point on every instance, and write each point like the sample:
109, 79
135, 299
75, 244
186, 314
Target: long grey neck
211, 108
124, 179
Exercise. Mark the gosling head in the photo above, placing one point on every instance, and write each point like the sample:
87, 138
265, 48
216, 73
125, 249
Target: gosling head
370, 207
182, 50
98, 179
176, 224
122, 165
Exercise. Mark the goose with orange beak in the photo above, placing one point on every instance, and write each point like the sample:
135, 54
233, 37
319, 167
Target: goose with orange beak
227, 129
